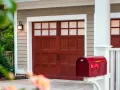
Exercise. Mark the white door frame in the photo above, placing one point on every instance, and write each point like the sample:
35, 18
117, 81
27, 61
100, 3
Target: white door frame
50, 18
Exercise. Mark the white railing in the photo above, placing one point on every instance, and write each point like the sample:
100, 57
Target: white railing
114, 54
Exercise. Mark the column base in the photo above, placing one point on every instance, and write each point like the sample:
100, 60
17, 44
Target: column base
103, 50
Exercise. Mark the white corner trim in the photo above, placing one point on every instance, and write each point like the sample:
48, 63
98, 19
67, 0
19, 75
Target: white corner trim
50, 18
15, 42
85, 39
115, 15
29, 46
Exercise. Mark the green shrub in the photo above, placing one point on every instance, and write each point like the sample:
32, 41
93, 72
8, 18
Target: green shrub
4, 63
7, 38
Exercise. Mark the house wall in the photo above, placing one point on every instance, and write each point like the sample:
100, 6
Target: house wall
115, 8
22, 35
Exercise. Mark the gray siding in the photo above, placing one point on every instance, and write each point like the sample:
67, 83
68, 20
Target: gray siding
115, 8
22, 35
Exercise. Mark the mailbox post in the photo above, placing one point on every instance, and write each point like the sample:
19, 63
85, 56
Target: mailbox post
91, 68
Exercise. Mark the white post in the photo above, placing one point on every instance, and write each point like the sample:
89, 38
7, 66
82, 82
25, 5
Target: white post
15, 42
102, 35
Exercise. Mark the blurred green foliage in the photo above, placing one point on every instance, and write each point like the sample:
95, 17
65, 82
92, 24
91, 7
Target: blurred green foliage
4, 66
7, 39
7, 9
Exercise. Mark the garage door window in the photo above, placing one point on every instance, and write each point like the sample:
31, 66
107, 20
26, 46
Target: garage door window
115, 27
63, 28
37, 25
72, 28
45, 29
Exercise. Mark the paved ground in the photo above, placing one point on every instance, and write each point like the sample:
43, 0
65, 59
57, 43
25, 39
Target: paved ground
55, 84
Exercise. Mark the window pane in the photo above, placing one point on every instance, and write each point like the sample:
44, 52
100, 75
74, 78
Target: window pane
44, 25
114, 31
53, 32
37, 32
72, 32
72, 24
37, 25
64, 32
44, 32
114, 23
81, 32
81, 24
53, 25
64, 24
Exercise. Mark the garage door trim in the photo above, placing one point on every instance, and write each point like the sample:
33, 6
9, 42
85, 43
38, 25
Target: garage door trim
50, 18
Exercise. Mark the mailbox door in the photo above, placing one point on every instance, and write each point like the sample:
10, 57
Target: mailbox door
103, 68
82, 68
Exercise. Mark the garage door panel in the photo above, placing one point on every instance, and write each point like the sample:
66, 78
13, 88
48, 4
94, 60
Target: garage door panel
43, 69
44, 58
37, 59
52, 59
72, 71
64, 43
53, 72
73, 59
80, 44
53, 43
68, 65
115, 41
64, 71
47, 43
37, 43
41, 59
69, 43
63, 58
72, 44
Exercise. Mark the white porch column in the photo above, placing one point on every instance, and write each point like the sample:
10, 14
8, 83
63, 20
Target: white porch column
102, 35
15, 42
102, 23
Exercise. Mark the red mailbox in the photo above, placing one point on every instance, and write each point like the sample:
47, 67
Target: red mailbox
91, 66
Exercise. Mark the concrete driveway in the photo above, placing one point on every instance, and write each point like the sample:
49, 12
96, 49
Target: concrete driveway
55, 84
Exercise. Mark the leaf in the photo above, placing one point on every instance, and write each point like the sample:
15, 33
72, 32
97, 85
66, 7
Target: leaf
10, 4
2, 16
1, 1
6, 14
4, 19
4, 71
10, 16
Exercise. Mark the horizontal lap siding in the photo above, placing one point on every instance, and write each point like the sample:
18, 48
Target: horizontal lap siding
90, 33
22, 35
115, 8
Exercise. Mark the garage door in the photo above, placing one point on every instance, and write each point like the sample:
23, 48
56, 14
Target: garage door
56, 47
115, 33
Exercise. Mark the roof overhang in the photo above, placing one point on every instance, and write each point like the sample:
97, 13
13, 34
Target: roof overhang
34, 4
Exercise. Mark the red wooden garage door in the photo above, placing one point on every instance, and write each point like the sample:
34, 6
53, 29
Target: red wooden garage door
56, 47
115, 33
